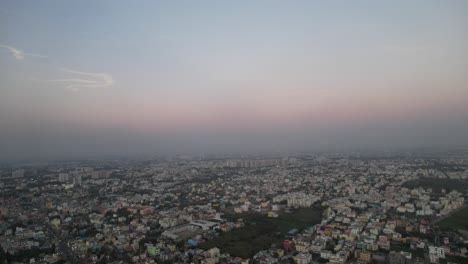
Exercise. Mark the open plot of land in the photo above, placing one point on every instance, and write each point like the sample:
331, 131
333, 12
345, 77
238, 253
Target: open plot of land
260, 231
437, 184
458, 220
300, 219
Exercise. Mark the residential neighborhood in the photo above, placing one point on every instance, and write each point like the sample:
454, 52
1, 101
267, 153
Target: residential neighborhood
309, 209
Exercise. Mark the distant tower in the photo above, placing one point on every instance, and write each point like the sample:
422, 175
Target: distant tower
77, 180
63, 177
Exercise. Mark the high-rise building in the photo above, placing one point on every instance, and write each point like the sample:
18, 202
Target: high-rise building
77, 180
100, 174
64, 177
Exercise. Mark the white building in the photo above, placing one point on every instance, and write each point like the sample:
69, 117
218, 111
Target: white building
301, 199
303, 258
436, 253
64, 177
77, 180
205, 225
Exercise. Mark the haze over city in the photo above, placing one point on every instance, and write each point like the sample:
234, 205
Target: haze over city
233, 132
95, 78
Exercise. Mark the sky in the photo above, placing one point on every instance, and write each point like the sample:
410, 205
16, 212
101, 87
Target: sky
90, 78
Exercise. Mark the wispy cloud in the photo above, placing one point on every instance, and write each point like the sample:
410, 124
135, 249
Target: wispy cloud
20, 54
88, 80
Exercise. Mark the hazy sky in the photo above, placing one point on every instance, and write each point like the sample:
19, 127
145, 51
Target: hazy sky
84, 78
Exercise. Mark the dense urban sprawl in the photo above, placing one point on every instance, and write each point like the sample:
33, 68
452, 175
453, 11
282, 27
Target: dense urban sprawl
183, 210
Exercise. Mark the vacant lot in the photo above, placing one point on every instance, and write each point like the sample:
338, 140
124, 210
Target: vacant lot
458, 220
438, 184
260, 231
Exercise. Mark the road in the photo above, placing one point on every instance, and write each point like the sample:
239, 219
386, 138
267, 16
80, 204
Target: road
62, 248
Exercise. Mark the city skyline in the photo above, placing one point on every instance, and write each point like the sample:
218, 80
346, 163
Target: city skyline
115, 78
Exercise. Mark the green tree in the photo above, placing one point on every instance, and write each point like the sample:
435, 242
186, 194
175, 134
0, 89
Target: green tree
3, 257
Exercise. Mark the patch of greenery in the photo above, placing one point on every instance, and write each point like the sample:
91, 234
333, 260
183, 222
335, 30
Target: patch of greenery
300, 219
453, 259
26, 254
456, 221
437, 184
260, 231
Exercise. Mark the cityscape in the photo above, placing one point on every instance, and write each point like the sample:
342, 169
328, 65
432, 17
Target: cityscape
233, 132
340, 208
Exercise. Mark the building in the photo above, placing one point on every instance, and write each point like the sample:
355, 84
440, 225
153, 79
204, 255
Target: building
288, 245
303, 258
363, 256
326, 254
436, 253
77, 180
181, 232
100, 174
301, 199
63, 177
302, 246
214, 252
205, 225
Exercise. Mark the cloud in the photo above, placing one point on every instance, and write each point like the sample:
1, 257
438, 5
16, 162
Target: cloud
19, 54
89, 80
